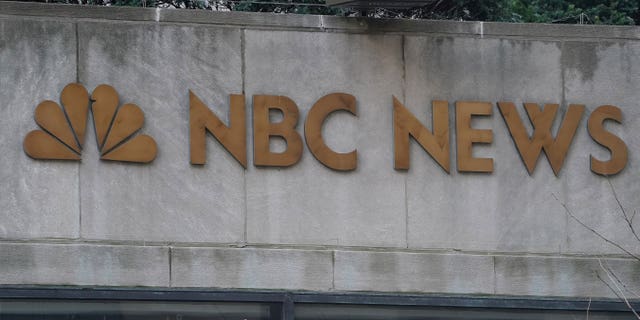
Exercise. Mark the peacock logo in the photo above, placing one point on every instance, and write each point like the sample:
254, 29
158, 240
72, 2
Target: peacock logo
63, 129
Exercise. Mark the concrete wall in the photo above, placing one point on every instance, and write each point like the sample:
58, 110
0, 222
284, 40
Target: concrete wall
171, 224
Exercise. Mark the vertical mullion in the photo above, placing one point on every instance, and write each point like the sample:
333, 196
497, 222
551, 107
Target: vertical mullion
287, 308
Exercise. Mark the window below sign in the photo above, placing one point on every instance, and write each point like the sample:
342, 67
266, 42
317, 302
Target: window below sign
135, 310
366, 312
145, 304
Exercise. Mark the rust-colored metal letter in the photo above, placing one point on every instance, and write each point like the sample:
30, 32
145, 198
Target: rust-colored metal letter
435, 143
263, 129
542, 121
233, 138
616, 146
75, 100
313, 131
466, 136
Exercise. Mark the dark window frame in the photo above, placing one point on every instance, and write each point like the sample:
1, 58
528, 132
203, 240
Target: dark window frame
288, 299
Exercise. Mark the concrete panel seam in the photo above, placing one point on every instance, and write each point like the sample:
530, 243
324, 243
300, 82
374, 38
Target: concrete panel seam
75, 26
243, 57
495, 277
404, 98
333, 269
235, 245
406, 214
170, 257
243, 64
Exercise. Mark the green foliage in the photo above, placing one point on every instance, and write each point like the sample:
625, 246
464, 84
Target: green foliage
620, 12
280, 6
616, 12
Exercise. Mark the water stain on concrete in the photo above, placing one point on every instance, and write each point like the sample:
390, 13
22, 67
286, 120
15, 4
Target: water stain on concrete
582, 57
381, 263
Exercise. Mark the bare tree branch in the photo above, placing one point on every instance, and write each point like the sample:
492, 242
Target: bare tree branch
617, 286
624, 212
570, 214
619, 293
629, 290
608, 285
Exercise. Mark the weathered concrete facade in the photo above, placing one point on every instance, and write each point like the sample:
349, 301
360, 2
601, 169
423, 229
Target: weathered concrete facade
171, 224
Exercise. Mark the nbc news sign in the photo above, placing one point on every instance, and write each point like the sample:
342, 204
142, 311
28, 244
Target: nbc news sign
62, 132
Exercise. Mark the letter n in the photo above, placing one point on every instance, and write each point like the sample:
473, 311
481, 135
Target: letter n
232, 137
405, 125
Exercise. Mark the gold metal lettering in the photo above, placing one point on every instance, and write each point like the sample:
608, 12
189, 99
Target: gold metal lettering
436, 143
233, 138
313, 131
127, 121
617, 147
140, 149
467, 136
542, 139
263, 129
104, 106
41, 145
51, 118
75, 100
114, 127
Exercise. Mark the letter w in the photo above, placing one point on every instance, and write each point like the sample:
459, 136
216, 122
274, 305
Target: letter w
529, 147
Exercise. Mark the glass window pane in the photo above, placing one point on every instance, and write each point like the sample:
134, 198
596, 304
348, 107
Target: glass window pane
132, 310
364, 312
